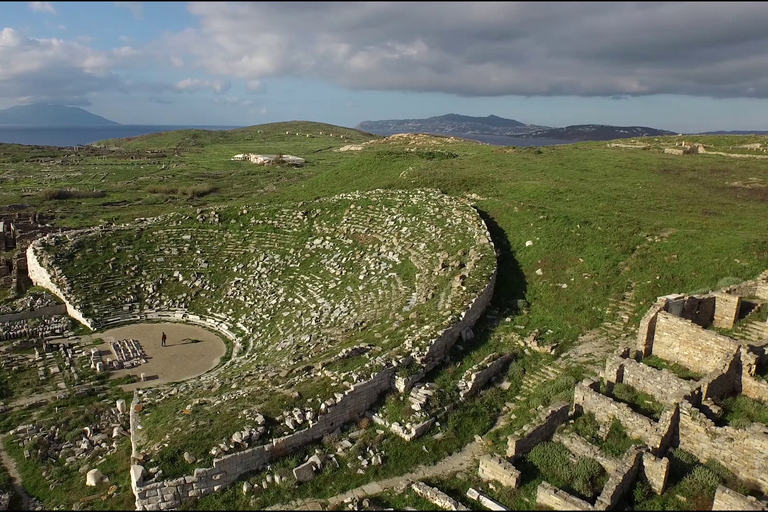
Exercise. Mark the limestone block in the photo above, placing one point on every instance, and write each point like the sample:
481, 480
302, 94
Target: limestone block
484, 500
93, 478
304, 472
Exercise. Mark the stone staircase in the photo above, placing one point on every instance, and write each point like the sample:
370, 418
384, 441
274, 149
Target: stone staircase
753, 332
622, 311
543, 373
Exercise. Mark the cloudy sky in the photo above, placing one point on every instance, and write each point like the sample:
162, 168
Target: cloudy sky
680, 66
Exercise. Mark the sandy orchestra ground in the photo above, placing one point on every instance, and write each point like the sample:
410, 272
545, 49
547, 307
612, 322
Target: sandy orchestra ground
190, 351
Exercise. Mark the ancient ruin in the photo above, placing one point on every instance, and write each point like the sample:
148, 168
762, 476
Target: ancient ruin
295, 290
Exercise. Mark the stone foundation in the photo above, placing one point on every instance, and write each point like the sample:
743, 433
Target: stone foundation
495, 468
538, 431
728, 499
436, 497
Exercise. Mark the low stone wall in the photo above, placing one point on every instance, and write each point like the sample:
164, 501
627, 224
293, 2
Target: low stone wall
225, 470
743, 452
728, 499
681, 341
58, 309
475, 379
667, 387
656, 471
436, 497
620, 480
495, 468
658, 436
40, 277
538, 431
550, 496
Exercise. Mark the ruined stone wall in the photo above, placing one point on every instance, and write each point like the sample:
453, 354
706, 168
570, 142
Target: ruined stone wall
40, 277
495, 468
549, 496
475, 379
667, 387
58, 309
656, 471
445, 342
699, 310
681, 341
728, 499
577, 445
436, 497
740, 451
620, 480
225, 470
657, 436
754, 388
645, 332
725, 379
726, 310
538, 431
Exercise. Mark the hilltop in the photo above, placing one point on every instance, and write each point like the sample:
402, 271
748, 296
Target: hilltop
44, 115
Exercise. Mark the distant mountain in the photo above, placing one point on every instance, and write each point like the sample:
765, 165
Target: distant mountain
451, 123
585, 132
40, 114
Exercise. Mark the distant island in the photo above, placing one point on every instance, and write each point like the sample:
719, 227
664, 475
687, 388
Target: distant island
585, 132
494, 125
452, 123
45, 115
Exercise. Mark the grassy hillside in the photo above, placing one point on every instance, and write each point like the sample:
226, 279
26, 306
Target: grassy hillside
602, 220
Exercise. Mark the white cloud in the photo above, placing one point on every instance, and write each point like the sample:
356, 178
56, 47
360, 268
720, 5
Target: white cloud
42, 7
136, 8
196, 84
233, 100
486, 49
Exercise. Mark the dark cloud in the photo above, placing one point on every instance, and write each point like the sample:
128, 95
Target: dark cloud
486, 49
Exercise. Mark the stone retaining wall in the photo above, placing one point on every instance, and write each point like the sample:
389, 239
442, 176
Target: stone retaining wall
728, 499
743, 452
442, 345
538, 431
58, 309
40, 277
475, 379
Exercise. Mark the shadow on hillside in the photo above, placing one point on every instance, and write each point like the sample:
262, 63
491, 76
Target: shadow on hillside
511, 285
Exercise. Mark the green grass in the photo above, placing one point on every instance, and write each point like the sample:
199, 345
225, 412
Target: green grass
741, 411
616, 442
639, 401
678, 369
691, 485
583, 478
601, 220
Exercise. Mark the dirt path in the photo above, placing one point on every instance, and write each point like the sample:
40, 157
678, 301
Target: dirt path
10, 465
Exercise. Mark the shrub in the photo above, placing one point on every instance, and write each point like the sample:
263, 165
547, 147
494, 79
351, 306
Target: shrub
49, 194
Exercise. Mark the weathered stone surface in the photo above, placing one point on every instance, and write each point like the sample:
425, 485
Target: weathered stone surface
728, 499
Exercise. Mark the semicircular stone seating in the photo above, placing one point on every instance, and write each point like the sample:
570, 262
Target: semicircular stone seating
318, 295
